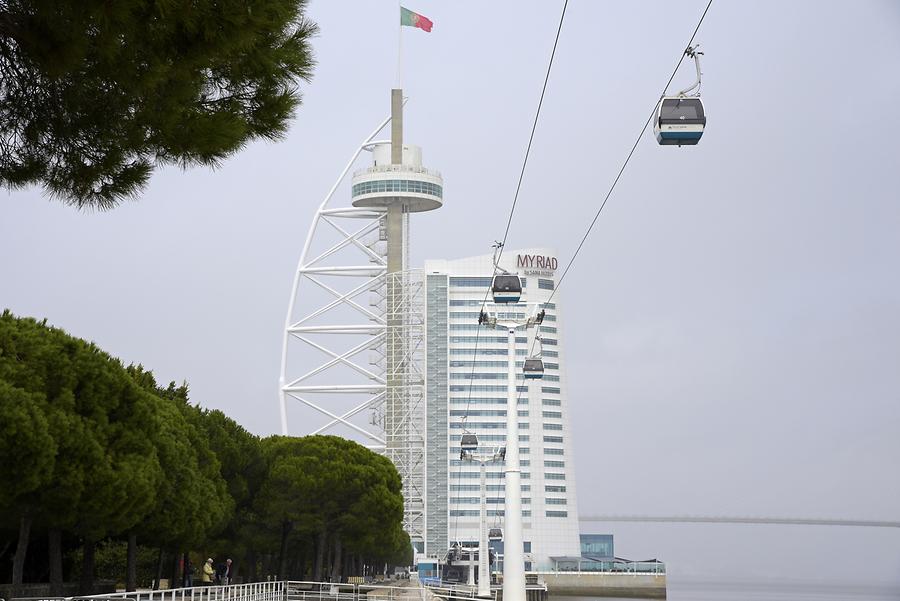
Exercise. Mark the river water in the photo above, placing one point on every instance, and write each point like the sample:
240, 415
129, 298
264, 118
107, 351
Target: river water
725, 591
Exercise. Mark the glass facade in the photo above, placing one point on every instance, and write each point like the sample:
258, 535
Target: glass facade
398, 185
597, 545
436, 467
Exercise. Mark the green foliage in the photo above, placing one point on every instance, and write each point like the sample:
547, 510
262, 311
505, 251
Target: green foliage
192, 503
333, 485
95, 93
29, 448
110, 557
105, 469
97, 451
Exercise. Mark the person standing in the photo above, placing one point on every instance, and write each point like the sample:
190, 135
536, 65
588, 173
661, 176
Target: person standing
226, 574
208, 572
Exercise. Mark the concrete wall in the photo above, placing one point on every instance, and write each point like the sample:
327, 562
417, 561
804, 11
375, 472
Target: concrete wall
605, 584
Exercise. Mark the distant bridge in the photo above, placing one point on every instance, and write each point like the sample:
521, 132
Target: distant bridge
704, 519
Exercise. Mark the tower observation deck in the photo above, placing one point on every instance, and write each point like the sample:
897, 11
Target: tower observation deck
325, 341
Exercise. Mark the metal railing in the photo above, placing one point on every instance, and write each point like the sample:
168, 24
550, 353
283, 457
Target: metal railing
254, 591
290, 590
396, 169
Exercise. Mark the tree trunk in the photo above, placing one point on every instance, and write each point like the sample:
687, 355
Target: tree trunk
173, 570
86, 584
21, 550
282, 553
159, 570
336, 568
54, 548
131, 563
320, 555
329, 562
251, 566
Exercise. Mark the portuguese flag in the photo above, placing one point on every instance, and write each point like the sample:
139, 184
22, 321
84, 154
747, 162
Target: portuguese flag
411, 19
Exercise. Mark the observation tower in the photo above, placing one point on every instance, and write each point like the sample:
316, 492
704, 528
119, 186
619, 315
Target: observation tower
330, 330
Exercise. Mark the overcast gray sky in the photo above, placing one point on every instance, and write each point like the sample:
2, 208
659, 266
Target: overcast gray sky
733, 323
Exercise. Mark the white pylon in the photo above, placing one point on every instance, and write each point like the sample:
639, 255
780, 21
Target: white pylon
513, 539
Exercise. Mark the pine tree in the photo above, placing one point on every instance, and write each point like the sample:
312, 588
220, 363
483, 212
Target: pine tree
94, 94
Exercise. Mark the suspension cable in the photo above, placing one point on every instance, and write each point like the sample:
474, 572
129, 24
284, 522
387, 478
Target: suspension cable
512, 210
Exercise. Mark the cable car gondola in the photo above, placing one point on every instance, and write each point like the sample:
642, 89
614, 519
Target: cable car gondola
681, 119
533, 368
495, 534
468, 444
506, 288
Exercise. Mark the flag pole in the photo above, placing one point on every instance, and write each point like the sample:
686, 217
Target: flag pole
399, 45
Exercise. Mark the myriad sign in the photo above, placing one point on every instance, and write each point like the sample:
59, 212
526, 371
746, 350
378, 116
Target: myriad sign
537, 264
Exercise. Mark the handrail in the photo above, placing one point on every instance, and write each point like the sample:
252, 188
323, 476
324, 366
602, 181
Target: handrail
397, 169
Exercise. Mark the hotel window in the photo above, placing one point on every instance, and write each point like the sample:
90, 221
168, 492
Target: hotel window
550, 354
552, 476
470, 282
553, 439
459, 327
552, 402
479, 339
550, 306
550, 389
551, 378
554, 452
476, 388
549, 341
478, 364
552, 414
548, 329
479, 413
555, 501
545, 284
476, 400
469, 352
524, 462
554, 488
522, 413
557, 514
553, 427
551, 365
554, 464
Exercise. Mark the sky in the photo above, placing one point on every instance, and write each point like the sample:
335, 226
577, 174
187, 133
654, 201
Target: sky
733, 320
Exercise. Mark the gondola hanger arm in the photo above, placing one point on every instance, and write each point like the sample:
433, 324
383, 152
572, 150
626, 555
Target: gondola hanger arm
694, 53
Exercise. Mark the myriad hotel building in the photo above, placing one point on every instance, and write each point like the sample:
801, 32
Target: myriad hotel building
466, 391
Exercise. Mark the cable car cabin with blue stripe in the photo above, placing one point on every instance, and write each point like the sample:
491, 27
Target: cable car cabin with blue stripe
506, 288
679, 121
